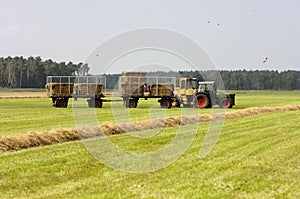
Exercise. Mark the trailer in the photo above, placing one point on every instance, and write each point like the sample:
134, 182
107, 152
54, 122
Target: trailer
136, 85
61, 88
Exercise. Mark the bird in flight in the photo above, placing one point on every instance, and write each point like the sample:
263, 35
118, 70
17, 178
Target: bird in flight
265, 60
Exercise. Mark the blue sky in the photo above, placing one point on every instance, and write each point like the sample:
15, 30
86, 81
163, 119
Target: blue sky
248, 31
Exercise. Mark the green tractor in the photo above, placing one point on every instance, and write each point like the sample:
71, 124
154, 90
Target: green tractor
193, 93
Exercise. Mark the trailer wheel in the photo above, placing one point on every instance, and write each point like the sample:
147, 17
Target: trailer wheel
62, 103
91, 102
165, 103
131, 103
225, 103
201, 101
98, 103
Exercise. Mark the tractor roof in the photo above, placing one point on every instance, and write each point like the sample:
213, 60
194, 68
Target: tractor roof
206, 82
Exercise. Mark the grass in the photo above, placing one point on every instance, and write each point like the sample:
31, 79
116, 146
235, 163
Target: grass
245, 99
22, 115
255, 157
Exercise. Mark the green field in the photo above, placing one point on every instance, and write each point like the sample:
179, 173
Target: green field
255, 157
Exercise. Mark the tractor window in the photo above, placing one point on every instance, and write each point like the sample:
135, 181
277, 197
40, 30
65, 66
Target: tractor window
202, 88
191, 84
210, 87
182, 84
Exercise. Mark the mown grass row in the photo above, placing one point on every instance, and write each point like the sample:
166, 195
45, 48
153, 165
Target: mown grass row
255, 157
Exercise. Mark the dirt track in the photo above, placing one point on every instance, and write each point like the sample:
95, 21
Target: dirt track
34, 139
23, 95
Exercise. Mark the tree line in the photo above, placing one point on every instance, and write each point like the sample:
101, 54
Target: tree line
31, 72
232, 80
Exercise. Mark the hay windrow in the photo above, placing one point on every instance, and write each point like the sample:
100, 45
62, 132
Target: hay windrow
36, 139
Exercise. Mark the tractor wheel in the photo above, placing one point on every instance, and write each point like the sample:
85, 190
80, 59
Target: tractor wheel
201, 101
225, 103
165, 103
131, 103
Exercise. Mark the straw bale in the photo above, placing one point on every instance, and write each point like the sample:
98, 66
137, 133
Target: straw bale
132, 89
134, 80
88, 89
161, 89
134, 74
59, 89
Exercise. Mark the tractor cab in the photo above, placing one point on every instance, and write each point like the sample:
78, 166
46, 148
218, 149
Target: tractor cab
188, 86
207, 87
208, 96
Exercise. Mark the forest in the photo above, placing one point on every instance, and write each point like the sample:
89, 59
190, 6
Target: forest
31, 72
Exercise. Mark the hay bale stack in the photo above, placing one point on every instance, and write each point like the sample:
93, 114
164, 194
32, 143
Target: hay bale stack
88, 89
134, 74
134, 77
132, 83
59, 89
131, 89
161, 89
133, 80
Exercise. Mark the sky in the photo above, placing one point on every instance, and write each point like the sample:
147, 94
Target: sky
235, 34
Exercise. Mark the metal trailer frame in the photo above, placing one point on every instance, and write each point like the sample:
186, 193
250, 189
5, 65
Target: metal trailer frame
67, 89
141, 83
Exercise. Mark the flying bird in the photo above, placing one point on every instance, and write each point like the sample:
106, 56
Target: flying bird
265, 60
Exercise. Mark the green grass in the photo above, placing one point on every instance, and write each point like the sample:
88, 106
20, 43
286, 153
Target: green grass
19, 116
245, 99
255, 157
31, 114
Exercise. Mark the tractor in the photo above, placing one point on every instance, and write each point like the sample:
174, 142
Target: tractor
194, 93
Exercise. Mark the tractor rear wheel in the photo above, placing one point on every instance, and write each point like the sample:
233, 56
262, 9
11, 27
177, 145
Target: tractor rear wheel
225, 103
165, 103
201, 101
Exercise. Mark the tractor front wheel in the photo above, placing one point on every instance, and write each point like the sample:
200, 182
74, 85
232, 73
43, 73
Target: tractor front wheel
225, 103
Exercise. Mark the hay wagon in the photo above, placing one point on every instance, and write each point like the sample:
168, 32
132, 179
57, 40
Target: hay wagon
136, 85
62, 88
132, 87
